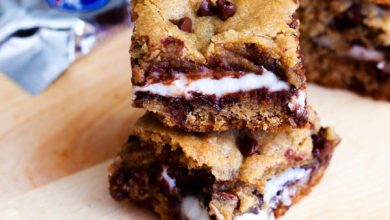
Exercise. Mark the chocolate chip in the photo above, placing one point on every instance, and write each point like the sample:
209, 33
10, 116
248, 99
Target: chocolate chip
172, 44
322, 148
206, 8
178, 110
225, 9
247, 145
184, 24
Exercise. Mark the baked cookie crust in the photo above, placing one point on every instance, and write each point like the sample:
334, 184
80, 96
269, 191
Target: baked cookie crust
229, 175
203, 65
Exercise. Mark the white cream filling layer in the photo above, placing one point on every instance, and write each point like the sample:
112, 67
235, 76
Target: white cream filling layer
170, 181
365, 54
297, 102
262, 215
193, 209
182, 86
277, 191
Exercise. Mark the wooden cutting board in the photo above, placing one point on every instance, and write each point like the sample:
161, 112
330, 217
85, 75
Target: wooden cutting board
83, 119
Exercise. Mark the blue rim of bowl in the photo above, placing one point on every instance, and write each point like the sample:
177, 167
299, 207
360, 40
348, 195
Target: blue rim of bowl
98, 4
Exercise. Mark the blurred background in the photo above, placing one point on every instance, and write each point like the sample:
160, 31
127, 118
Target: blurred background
47, 36
64, 88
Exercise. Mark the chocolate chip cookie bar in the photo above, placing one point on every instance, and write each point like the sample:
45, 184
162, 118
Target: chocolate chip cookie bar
347, 44
212, 65
228, 175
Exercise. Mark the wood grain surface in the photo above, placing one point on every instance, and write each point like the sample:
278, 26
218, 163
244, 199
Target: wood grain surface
83, 119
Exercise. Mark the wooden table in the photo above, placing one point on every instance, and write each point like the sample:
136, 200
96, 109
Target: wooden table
83, 119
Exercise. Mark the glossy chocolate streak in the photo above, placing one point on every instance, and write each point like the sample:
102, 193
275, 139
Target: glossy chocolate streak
248, 58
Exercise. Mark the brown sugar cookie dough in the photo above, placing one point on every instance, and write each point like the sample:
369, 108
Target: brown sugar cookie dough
231, 175
347, 44
212, 65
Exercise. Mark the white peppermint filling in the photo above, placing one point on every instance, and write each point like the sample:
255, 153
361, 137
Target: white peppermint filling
193, 209
182, 86
297, 102
277, 190
364, 54
261, 215
171, 181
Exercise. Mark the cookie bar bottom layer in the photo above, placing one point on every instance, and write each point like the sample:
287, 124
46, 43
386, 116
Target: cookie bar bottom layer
254, 109
175, 191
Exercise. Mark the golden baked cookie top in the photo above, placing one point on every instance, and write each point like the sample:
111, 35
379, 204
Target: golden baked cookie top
271, 26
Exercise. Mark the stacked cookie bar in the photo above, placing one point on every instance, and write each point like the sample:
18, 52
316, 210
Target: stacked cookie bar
352, 40
215, 65
228, 134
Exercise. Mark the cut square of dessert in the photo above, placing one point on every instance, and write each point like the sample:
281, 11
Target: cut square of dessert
229, 175
204, 65
347, 44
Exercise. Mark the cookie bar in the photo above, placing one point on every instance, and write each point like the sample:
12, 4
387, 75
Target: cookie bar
230, 175
211, 65
347, 44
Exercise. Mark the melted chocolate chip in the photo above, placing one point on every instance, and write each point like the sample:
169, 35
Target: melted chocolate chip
322, 148
226, 196
294, 21
206, 8
226, 9
178, 110
349, 18
124, 184
357, 85
117, 182
172, 45
184, 24
247, 145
